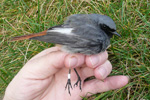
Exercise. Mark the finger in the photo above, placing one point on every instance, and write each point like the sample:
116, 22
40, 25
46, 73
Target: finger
93, 61
74, 60
45, 52
44, 66
87, 72
103, 70
110, 83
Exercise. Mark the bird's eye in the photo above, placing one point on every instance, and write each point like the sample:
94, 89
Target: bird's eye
104, 26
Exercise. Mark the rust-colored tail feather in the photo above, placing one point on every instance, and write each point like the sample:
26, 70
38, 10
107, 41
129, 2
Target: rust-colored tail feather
29, 36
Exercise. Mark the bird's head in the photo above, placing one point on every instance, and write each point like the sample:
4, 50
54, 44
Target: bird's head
107, 25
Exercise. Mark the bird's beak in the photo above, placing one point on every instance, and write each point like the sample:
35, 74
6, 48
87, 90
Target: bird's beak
115, 33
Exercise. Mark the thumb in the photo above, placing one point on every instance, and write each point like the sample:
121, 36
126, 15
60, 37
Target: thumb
44, 66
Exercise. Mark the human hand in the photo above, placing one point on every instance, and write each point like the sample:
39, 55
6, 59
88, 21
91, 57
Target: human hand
44, 76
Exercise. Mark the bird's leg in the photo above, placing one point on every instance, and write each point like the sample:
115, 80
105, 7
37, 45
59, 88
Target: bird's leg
78, 81
69, 82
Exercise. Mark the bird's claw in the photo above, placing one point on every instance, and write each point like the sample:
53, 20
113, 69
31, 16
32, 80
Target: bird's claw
68, 85
78, 82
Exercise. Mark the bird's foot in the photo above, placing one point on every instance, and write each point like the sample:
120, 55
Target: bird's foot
68, 85
78, 82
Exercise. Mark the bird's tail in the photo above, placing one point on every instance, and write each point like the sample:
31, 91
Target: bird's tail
29, 36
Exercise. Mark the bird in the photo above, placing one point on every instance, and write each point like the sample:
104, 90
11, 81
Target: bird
87, 34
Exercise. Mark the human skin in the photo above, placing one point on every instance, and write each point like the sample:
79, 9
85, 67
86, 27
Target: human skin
44, 76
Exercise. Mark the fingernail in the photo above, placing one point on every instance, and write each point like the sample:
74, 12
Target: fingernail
72, 61
128, 77
102, 72
94, 60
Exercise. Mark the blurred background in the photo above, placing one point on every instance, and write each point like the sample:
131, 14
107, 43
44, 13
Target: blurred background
129, 55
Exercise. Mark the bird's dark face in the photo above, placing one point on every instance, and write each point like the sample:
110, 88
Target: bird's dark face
109, 31
107, 25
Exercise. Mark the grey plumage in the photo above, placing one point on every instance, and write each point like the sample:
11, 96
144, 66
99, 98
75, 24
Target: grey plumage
82, 33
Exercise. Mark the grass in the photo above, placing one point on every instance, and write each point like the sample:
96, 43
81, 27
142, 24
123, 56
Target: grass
129, 55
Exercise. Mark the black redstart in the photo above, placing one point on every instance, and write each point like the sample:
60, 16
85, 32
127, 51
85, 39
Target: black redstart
81, 33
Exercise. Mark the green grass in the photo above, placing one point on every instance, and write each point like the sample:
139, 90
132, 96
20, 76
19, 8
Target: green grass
129, 55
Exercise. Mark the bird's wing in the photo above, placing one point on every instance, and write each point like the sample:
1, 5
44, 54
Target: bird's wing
66, 35
60, 35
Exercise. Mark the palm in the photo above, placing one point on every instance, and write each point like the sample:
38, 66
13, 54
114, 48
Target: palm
58, 84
